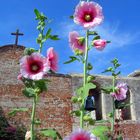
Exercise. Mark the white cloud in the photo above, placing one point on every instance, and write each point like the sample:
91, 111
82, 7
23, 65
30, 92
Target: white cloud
109, 31
118, 37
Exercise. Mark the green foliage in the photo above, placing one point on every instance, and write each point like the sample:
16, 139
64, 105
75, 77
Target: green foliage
89, 66
27, 82
54, 37
79, 100
29, 92
48, 33
33, 87
109, 69
76, 113
122, 104
51, 133
90, 78
88, 86
83, 93
80, 91
74, 99
92, 33
29, 51
17, 110
101, 132
113, 70
91, 122
72, 59
37, 122
43, 21
39, 16
41, 85
87, 118
107, 90
96, 37
110, 115
71, 17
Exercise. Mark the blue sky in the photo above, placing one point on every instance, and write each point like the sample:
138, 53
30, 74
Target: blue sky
121, 25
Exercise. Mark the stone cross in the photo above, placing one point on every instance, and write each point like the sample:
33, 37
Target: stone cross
17, 34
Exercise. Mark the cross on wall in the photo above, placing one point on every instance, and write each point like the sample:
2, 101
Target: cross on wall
17, 34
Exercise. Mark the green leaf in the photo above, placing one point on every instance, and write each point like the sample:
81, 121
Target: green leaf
116, 74
41, 84
117, 65
54, 37
74, 99
114, 61
37, 13
16, 110
110, 69
88, 86
29, 51
51, 133
80, 91
90, 78
89, 66
107, 90
37, 122
92, 33
96, 37
91, 122
48, 33
76, 112
28, 92
110, 115
100, 131
71, 17
72, 59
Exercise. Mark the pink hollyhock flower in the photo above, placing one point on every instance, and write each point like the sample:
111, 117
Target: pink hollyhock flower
76, 42
121, 92
88, 14
19, 77
52, 59
80, 134
99, 44
33, 66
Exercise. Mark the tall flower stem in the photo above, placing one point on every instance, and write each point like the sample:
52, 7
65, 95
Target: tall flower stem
40, 49
113, 106
84, 80
33, 118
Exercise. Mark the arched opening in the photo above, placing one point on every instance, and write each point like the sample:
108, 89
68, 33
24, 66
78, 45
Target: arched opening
124, 112
96, 93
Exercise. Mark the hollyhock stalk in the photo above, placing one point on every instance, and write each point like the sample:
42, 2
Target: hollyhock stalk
113, 106
33, 118
84, 78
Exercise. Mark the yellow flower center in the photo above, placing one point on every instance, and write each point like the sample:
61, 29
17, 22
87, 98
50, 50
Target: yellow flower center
87, 17
35, 67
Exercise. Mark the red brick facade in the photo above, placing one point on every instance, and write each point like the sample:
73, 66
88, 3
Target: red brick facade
53, 106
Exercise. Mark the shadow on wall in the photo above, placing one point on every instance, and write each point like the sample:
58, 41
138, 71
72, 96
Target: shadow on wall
9, 132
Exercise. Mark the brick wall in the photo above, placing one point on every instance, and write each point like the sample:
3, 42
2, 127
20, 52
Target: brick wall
53, 106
